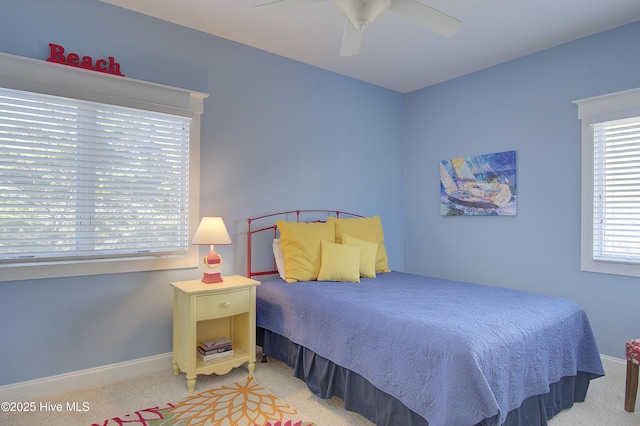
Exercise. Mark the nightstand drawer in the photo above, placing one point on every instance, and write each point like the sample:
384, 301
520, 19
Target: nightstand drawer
222, 304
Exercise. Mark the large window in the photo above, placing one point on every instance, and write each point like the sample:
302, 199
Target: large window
93, 182
611, 183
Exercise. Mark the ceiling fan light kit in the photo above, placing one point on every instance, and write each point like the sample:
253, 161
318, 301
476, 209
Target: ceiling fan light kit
361, 13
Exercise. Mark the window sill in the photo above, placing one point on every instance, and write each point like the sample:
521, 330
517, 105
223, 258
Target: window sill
97, 267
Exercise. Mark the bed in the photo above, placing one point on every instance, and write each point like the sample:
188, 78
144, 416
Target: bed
405, 349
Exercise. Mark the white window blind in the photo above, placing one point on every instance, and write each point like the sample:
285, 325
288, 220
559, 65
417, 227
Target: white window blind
616, 188
86, 180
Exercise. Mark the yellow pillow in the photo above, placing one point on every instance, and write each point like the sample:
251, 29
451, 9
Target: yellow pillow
301, 248
368, 252
367, 229
340, 262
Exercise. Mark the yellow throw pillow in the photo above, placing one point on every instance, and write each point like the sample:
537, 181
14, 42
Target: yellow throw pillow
368, 253
367, 229
340, 262
301, 248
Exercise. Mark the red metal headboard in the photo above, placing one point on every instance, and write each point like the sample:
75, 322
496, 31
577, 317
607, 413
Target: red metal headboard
267, 224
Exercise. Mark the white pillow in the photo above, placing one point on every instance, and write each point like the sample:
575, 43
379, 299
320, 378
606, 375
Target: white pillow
279, 256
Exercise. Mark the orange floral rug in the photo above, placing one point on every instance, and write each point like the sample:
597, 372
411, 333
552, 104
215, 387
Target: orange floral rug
239, 404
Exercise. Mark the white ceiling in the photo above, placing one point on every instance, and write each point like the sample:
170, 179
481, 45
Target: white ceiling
396, 53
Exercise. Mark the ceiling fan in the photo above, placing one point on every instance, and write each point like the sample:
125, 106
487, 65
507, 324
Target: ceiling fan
361, 13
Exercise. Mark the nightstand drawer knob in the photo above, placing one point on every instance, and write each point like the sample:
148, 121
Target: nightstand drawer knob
226, 304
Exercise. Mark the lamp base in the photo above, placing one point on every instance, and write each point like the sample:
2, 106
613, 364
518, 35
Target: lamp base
213, 261
211, 278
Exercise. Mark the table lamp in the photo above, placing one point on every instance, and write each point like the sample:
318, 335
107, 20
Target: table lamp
211, 231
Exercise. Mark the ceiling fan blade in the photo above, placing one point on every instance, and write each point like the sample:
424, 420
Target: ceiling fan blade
351, 40
426, 16
284, 5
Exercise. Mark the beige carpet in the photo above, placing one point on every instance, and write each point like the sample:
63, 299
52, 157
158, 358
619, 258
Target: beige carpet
604, 405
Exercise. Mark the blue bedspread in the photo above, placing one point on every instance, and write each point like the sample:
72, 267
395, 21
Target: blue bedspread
455, 353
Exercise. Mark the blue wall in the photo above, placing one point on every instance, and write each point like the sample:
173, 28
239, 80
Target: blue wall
276, 135
523, 105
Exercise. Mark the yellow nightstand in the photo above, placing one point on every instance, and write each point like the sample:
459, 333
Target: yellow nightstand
207, 311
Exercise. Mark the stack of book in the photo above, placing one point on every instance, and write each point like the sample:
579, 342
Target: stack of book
215, 348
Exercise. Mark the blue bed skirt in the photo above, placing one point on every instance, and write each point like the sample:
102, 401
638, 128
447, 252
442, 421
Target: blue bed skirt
326, 379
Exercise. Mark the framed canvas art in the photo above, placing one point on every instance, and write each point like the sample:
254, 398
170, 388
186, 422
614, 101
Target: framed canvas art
481, 185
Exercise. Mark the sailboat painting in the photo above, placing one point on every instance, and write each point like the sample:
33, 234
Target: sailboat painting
481, 185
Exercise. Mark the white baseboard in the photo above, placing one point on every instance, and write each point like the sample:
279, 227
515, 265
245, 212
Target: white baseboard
100, 376
614, 366
85, 379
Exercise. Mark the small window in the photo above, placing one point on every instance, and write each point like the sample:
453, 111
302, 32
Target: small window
90, 187
611, 183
